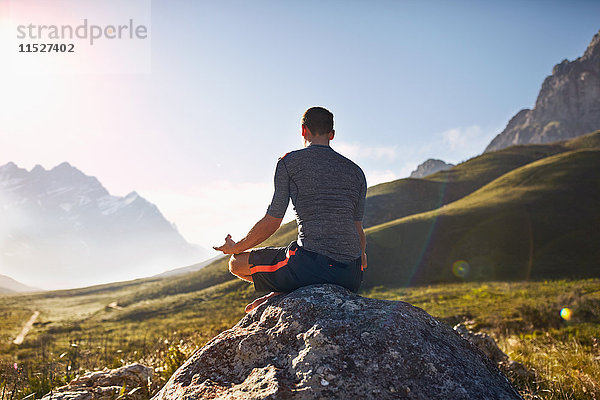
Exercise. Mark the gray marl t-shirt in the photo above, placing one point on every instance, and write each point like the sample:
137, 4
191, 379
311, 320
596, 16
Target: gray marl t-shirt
328, 193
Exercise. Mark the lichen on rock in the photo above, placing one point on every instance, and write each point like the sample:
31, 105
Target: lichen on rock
323, 341
130, 382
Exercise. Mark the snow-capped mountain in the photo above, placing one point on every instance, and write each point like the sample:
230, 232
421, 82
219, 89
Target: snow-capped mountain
66, 222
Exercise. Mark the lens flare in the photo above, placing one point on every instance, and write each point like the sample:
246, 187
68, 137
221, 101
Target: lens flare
429, 232
566, 313
461, 268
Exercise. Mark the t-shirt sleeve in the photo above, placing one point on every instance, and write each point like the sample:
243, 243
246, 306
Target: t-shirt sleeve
359, 211
281, 197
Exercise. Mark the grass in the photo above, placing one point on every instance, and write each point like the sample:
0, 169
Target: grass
403, 197
79, 332
525, 212
538, 221
524, 318
458, 244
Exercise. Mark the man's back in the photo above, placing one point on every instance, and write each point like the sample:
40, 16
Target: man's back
328, 193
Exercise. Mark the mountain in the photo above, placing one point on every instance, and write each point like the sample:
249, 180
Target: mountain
9, 285
429, 167
567, 106
537, 221
391, 200
65, 221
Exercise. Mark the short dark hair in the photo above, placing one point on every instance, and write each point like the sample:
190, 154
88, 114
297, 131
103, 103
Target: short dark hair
318, 120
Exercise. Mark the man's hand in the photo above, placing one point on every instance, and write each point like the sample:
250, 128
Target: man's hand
227, 247
363, 244
258, 234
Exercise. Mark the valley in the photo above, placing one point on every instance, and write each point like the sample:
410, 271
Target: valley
502, 243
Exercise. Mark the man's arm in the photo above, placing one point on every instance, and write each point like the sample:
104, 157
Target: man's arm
363, 243
260, 232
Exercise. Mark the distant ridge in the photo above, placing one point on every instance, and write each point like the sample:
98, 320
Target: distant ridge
9, 285
65, 221
187, 269
568, 104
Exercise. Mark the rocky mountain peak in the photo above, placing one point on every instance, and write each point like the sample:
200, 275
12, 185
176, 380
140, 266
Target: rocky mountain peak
63, 165
10, 166
10, 171
567, 106
38, 169
66, 171
323, 341
431, 166
593, 50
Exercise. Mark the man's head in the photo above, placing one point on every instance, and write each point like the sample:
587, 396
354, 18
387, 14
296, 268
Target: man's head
319, 123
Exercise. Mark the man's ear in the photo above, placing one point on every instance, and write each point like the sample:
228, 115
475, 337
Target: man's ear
304, 129
331, 134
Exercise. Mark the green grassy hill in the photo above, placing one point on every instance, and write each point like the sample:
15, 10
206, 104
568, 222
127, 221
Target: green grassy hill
538, 221
524, 205
403, 197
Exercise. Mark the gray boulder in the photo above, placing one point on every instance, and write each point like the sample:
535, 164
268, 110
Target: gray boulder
324, 342
130, 382
488, 346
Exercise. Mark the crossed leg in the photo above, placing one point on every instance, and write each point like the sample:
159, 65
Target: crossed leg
240, 267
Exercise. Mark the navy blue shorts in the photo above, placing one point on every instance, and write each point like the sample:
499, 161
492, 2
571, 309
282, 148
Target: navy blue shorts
284, 269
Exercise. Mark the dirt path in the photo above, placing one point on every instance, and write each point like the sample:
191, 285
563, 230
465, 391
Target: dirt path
26, 328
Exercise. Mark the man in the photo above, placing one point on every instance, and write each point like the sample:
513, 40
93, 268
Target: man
328, 194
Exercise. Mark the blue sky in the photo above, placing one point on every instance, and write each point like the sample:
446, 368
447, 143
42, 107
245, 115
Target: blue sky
228, 81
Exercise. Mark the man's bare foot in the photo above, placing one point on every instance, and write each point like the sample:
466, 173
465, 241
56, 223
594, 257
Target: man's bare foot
261, 300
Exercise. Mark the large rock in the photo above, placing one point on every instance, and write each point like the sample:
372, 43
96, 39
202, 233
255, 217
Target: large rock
488, 346
322, 342
131, 382
567, 106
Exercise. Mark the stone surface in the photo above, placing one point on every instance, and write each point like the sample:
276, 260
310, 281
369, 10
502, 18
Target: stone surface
567, 106
488, 346
107, 385
429, 167
322, 342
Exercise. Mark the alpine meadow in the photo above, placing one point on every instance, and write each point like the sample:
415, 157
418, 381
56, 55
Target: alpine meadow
483, 271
